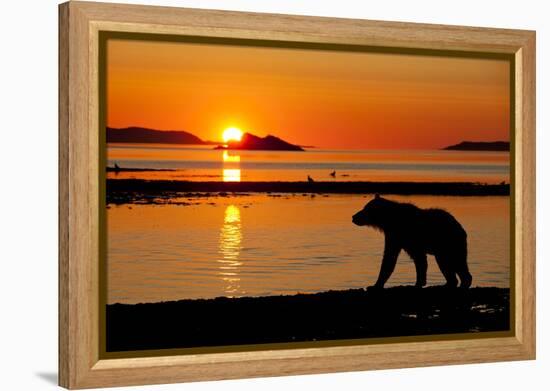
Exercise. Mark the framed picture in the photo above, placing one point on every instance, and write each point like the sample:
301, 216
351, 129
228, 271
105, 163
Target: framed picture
247, 195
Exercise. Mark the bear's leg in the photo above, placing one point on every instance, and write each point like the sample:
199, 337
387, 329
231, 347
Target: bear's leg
465, 278
461, 266
445, 264
421, 264
463, 273
391, 252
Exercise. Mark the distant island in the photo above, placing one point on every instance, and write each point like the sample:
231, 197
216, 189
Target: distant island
480, 146
254, 143
135, 134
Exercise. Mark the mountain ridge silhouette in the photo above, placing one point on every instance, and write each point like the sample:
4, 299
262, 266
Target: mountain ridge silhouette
252, 142
137, 134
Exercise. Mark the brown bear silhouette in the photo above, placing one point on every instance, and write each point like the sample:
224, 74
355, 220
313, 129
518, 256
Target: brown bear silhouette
419, 232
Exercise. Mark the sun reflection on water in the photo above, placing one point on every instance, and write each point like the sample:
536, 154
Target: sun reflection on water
231, 175
230, 158
230, 248
231, 168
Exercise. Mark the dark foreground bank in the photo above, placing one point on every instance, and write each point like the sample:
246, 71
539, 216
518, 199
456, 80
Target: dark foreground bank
333, 315
120, 191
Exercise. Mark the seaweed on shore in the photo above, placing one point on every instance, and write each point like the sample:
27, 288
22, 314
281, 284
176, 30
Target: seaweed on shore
333, 315
123, 191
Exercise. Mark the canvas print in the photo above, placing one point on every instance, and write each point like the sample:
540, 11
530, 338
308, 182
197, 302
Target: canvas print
260, 195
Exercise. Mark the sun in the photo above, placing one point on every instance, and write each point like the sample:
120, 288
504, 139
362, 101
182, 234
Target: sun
232, 134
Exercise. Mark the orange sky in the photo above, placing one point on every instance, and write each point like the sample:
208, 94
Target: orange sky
309, 97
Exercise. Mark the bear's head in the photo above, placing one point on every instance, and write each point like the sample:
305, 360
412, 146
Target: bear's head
374, 214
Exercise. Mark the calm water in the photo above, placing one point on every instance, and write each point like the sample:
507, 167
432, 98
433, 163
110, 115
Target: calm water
278, 244
202, 163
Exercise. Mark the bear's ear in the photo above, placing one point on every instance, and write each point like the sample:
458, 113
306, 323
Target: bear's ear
376, 196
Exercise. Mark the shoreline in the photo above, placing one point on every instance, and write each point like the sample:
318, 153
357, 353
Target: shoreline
120, 191
332, 315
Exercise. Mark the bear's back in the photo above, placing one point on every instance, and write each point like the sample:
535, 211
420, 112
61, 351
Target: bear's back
440, 228
411, 222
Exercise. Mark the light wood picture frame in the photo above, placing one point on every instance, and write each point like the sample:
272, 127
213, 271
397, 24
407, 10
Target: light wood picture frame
81, 364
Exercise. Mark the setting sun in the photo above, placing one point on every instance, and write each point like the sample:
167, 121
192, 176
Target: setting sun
232, 134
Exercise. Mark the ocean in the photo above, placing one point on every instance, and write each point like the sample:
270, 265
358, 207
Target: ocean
276, 244
259, 244
203, 163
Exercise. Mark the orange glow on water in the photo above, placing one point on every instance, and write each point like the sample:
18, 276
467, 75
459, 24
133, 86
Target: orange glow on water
216, 165
261, 245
